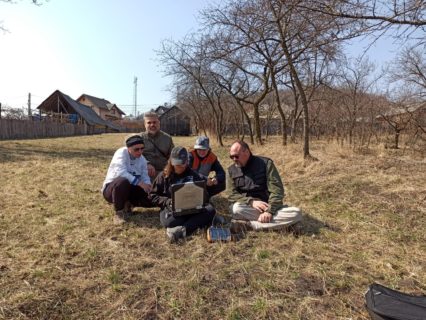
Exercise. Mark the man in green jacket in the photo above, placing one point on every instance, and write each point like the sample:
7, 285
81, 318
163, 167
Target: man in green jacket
257, 191
158, 144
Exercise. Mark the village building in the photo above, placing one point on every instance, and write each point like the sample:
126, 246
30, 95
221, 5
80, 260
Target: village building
103, 108
59, 107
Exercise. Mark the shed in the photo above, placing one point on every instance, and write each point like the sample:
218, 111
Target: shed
60, 107
175, 122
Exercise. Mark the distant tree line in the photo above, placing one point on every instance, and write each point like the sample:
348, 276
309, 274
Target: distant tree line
253, 60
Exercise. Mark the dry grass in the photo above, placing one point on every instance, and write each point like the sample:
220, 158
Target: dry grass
62, 258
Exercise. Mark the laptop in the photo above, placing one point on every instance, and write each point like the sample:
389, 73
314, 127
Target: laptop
188, 197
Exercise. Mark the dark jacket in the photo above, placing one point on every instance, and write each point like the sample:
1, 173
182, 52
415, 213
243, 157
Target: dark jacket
257, 180
161, 193
157, 149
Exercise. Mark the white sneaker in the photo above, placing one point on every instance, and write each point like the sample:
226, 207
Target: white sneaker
176, 233
121, 216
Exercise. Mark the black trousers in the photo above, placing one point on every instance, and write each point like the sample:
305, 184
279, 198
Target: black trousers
120, 190
191, 222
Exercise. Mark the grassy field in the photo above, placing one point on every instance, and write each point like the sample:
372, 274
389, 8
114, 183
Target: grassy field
61, 257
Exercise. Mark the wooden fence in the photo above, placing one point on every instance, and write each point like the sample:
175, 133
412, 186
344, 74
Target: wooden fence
28, 129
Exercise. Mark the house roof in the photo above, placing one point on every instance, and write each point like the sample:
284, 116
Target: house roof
100, 103
69, 105
168, 110
402, 110
161, 109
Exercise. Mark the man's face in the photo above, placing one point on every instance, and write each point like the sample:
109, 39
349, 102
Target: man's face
152, 125
136, 150
239, 155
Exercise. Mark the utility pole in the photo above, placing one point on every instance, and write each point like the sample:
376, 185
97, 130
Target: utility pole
0, 110
29, 105
135, 98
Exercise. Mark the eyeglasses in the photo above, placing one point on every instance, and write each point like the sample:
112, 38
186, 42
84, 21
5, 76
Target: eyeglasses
234, 156
138, 149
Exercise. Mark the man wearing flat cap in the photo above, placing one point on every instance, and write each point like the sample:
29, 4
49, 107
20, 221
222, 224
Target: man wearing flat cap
127, 182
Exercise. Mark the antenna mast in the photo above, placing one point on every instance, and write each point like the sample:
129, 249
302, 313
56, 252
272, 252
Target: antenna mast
135, 95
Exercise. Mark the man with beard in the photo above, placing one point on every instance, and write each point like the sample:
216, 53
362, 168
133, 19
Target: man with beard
158, 144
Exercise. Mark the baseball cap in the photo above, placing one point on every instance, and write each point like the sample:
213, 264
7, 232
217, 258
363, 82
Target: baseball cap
202, 142
179, 156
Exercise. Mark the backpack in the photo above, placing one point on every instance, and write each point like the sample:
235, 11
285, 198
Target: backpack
386, 304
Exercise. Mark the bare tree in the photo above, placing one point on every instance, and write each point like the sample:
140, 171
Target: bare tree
410, 69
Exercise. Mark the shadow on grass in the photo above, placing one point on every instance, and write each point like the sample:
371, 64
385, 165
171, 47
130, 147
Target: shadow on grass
17, 154
312, 226
148, 218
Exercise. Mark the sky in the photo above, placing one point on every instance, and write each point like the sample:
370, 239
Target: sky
97, 47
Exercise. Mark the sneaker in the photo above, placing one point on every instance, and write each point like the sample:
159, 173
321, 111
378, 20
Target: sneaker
121, 216
176, 233
240, 226
218, 220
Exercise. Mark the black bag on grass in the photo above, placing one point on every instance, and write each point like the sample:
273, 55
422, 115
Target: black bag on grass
387, 304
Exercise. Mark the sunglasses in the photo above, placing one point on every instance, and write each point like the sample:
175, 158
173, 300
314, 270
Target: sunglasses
234, 156
138, 149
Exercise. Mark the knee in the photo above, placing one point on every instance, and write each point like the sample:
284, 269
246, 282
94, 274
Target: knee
237, 208
121, 184
292, 214
210, 210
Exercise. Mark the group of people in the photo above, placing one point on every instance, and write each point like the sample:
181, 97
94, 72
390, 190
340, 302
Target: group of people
142, 173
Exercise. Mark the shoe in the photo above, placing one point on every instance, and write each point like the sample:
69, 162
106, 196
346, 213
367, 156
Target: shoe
121, 216
128, 207
240, 226
218, 220
176, 233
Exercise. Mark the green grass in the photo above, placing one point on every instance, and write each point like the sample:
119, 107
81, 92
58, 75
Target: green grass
61, 257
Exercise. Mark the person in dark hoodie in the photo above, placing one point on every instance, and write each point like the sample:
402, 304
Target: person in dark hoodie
178, 171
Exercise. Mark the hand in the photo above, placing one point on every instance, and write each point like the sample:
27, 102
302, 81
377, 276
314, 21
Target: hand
145, 186
169, 203
211, 182
151, 170
265, 217
259, 205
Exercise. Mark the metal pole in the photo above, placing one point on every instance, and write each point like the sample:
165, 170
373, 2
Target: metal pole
29, 105
135, 99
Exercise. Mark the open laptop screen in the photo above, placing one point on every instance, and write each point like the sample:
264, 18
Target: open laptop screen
188, 197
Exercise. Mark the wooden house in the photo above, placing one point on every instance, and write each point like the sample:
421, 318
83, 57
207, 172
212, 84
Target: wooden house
59, 107
174, 121
103, 108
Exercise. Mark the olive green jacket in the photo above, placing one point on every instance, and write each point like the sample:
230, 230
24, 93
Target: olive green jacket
274, 185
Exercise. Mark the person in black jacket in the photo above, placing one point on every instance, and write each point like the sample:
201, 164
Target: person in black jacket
178, 171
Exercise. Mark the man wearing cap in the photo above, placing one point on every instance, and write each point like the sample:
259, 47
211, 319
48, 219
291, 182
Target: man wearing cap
257, 192
158, 144
178, 171
127, 181
205, 162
